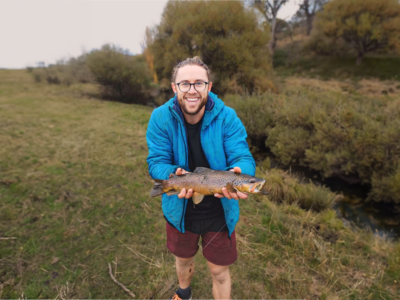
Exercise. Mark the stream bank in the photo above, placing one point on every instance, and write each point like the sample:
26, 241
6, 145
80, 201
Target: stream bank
379, 217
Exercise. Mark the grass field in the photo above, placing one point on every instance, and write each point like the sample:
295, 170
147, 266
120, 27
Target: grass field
74, 196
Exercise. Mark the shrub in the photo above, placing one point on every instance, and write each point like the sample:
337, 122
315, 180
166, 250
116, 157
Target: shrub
348, 136
289, 143
122, 77
255, 112
280, 58
320, 44
317, 198
64, 72
51, 75
386, 188
285, 188
78, 69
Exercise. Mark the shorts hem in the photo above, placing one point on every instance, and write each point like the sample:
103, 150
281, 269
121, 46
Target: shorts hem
220, 264
183, 256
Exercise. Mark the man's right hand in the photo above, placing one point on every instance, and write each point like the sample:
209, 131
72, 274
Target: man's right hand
183, 193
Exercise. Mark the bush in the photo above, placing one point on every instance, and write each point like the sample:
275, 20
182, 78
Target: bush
284, 188
386, 188
288, 143
255, 113
352, 137
280, 58
79, 70
63, 72
52, 75
122, 77
320, 44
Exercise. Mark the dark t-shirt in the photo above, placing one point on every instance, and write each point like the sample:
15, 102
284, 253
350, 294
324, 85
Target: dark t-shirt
208, 215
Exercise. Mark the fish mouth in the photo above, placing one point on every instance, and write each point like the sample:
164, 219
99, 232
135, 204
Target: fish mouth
258, 188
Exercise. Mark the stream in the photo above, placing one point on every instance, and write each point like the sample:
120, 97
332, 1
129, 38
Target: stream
381, 218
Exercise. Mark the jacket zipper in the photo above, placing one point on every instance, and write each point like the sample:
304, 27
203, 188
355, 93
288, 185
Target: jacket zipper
186, 159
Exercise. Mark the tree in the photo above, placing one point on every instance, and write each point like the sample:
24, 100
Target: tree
148, 40
366, 25
309, 8
225, 35
269, 9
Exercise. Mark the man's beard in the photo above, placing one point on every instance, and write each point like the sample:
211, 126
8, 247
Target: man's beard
182, 103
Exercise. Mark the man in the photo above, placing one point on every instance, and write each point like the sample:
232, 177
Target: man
195, 129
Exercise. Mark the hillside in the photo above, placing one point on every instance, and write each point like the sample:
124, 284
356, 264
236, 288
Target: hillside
74, 196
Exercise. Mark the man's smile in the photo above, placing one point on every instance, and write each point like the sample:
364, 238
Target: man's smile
192, 99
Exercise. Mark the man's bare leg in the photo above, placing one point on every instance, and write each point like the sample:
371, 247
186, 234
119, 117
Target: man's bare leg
221, 281
185, 270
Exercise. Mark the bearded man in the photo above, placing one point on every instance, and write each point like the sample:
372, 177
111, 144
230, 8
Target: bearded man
195, 129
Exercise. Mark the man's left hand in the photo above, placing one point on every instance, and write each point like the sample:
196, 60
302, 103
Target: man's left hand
230, 195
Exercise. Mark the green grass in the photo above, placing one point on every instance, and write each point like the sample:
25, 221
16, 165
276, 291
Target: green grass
74, 192
383, 68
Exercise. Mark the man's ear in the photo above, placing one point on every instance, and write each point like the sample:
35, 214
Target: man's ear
209, 86
173, 87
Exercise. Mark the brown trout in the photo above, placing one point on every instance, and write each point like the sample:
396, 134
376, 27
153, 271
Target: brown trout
205, 181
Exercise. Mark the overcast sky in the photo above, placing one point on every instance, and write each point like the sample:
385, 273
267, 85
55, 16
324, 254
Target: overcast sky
48, 30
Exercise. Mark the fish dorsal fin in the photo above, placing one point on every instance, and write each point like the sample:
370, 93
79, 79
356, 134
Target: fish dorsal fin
197, 197
176, 176
230, 188
201, 170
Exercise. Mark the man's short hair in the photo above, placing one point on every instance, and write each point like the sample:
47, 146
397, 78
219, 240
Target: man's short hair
195, 61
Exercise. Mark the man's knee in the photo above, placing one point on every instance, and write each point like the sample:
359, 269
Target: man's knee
183, 262
220, 273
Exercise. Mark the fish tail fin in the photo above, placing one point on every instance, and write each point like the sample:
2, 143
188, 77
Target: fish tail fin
157, 189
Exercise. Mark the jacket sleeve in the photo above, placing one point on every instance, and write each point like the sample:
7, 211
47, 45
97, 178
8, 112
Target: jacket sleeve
160, 159
236, 148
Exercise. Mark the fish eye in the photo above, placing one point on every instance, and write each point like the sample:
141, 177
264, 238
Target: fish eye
252, 180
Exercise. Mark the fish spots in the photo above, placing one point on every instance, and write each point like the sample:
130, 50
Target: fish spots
209, 182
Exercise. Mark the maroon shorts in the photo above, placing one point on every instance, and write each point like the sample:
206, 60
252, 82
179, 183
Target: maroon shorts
217, 247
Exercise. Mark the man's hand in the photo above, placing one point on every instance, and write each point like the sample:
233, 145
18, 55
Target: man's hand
230, 195
183, 193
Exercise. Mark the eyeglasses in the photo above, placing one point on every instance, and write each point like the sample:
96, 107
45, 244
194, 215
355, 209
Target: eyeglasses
185, 86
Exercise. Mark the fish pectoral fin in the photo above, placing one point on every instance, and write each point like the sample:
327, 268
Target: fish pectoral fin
201, 170
230, 188
172, 192
197, 197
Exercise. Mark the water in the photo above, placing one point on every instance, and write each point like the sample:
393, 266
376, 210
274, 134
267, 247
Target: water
381, 218
373, 216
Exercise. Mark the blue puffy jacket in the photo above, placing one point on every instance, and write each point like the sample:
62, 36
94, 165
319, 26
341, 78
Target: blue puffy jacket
223, 138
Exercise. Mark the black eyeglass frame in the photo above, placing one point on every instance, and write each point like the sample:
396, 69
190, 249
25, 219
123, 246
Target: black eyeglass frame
191, 86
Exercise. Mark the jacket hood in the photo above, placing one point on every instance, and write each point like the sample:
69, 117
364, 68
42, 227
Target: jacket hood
212, 108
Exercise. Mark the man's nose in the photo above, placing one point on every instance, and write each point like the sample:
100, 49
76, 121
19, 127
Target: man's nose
190, 91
